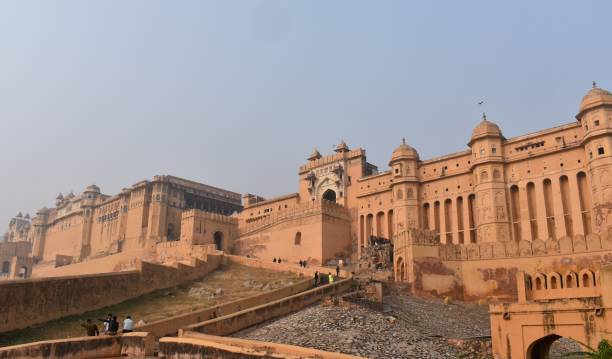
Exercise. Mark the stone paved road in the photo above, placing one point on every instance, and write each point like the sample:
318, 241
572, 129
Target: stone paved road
415, 328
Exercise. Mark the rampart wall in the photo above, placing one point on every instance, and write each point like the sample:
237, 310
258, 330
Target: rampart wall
33, 301
135, 345
232, 323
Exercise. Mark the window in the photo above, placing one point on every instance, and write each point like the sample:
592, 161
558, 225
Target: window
596, 122
482, 152
493, 150
600, 151
298, 239
591, 155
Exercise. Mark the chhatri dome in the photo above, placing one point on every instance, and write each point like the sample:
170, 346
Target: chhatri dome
404, 152
595, 97
485, 128
315, 155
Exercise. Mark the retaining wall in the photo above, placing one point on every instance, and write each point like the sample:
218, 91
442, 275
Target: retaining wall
33, 301
199, 345
232, 323
135, 345
171, 326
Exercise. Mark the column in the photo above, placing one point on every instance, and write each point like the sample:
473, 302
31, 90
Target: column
575, 199
540, 207
558, 208
442, 222
432, 217
455, 220
466, 219
525, 225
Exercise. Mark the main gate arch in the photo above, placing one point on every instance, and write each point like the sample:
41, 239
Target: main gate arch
542, 315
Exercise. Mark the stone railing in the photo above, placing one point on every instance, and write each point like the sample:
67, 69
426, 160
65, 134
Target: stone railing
565, 245
302, 210
412, 236
216, 217
554, 285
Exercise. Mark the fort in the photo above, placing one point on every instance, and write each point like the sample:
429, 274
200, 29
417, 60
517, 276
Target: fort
522, 220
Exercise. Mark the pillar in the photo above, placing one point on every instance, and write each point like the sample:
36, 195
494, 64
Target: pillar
540, 206
455, 221
558, 207
525, 225
442, 221
575, 199
466, 219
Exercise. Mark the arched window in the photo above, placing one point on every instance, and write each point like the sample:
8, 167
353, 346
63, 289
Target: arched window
553, 283
6, 267
538, 283
400, 194
330, 195
298, 239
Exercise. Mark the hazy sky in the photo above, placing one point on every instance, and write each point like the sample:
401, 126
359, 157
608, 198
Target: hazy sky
236, 94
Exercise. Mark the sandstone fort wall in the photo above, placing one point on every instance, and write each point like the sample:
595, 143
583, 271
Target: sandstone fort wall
33, 301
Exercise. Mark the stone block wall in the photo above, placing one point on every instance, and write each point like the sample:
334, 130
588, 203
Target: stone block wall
33, 301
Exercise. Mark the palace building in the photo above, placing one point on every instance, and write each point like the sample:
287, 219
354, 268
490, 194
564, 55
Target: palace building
459, 223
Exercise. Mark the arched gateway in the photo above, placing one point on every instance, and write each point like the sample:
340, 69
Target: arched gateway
546, 313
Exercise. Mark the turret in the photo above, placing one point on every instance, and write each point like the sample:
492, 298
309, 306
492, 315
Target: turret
486, 143
39, 222
595, 117
405, 187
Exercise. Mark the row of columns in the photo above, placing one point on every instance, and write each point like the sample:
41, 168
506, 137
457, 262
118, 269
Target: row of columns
560, 227
379, 224
449, 218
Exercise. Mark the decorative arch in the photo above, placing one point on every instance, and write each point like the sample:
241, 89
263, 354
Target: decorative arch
554, 281
329, 195
540, 348
540, 282
400, 270
571, 280
587, 278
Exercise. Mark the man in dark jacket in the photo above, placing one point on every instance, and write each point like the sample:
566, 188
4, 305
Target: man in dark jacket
91, 328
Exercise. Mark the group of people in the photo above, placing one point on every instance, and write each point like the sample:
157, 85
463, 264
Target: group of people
303, 264
111, 326
277, 261
325, 278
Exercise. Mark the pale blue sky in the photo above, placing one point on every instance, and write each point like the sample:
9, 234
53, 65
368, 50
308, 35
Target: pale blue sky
237, 93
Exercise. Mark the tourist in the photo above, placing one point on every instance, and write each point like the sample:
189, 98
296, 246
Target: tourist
113, 326
330, 278
337, 271
316, 278
279, 260
274, 260
304, 263
301, 264
91, 328
106, 322
128, 325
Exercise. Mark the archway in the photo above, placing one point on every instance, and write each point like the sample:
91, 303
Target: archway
330, 195
552, 347
6, 267
218, 238
23, 272
400, 270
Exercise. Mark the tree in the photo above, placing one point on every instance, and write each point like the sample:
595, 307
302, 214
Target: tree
603, 351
